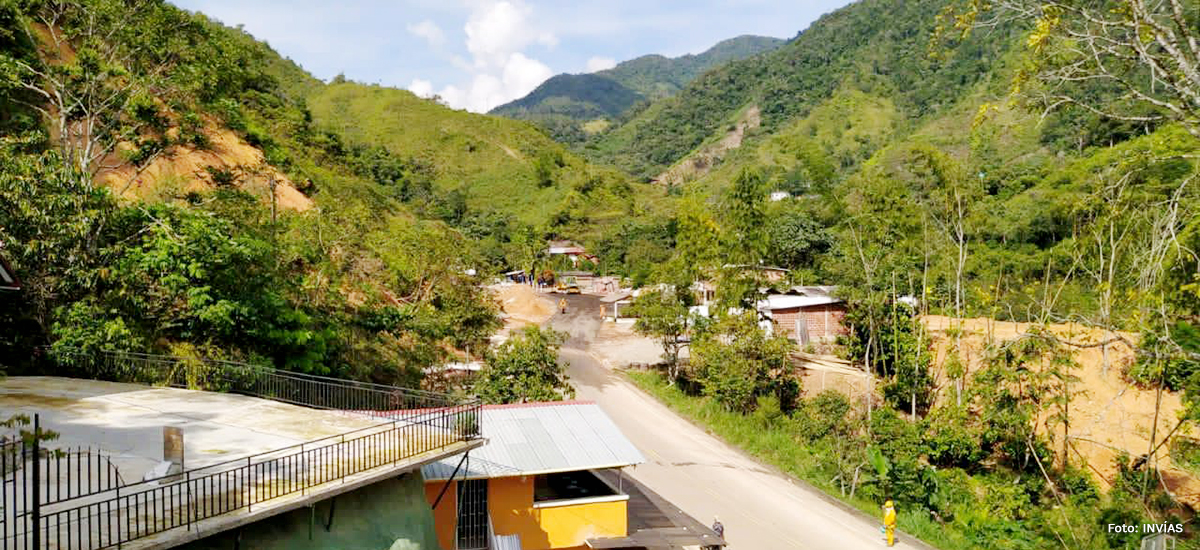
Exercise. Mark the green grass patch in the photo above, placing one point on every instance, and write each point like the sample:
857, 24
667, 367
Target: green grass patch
778, 447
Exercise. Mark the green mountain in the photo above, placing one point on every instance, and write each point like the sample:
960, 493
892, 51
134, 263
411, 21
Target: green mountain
242, 209
567, 102
876, 46
499, 174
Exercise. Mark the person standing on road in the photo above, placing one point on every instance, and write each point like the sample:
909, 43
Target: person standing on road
889, 522
562, 305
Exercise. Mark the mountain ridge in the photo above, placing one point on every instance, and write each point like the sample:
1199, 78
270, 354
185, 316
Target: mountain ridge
565, 102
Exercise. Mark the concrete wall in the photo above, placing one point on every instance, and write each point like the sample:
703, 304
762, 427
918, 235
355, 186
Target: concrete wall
824, 321
390, 515
444, 516
510, 502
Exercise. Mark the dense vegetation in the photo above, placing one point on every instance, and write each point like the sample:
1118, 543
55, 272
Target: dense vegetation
915, 166
877, 46
571, 106
357, 286
495, 179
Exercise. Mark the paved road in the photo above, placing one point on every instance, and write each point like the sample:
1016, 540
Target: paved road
705, 477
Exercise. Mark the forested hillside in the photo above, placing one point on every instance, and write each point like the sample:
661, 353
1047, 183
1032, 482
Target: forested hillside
878, 46
201, 195
489, 174
571, 106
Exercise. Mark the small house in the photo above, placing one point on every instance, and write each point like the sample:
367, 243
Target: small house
572, 250
566, 248
549, 477
612, 305
806, 314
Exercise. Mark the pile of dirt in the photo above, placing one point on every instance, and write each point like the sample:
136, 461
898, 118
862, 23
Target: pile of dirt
827, 372
523, 305
1110, 415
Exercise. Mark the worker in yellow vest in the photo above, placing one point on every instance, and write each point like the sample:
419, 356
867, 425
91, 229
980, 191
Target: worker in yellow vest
889, 522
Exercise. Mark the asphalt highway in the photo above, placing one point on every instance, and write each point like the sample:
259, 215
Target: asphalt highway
760, 508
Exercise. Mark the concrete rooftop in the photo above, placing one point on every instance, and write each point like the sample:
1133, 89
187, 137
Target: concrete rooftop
126, 420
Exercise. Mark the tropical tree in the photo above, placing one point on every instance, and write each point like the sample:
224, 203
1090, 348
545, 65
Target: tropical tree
663, 314
525, 368
736, 361
1143, 56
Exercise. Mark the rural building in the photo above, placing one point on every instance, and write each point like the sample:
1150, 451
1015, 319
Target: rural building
566, 248
705, 291
585, 279
611, 306
806, 314
570, 249
539, 482
163, 464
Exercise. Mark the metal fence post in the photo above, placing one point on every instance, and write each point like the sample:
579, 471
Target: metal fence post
36, 513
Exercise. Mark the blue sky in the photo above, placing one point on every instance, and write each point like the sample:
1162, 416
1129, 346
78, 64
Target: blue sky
477, 54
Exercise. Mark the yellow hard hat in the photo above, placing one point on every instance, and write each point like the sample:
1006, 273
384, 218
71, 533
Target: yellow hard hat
888, 504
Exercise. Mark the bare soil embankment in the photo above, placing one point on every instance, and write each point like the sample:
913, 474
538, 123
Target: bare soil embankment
1109, 415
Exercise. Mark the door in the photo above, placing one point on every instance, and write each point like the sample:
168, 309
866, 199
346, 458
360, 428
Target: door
802, 330
472, 528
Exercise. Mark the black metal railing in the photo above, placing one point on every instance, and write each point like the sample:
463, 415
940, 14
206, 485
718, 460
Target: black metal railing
319, 392
52, 499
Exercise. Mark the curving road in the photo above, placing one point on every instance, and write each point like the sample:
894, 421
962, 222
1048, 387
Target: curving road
760, 508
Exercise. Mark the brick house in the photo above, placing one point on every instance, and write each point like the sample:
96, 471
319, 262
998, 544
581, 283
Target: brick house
806, 314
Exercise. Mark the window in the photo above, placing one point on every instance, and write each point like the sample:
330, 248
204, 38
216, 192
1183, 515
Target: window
472, 515
569, 486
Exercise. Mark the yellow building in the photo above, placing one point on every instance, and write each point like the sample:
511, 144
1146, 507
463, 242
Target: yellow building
532, 486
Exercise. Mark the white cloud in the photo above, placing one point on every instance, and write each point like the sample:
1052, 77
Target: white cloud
519, 76
423, 88
497, 29
522, 74
596, 64
429, 31
498, 33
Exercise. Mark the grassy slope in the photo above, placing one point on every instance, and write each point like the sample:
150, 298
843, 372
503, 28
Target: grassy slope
491, 159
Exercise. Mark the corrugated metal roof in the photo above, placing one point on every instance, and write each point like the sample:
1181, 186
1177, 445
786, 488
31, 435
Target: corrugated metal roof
620, 296
787, 301
539, 438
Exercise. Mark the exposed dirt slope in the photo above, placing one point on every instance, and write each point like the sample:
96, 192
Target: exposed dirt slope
702, 160
1111, 414
181, 168
184, 168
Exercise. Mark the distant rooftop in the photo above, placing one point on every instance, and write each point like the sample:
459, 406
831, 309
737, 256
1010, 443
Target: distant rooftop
542, 438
